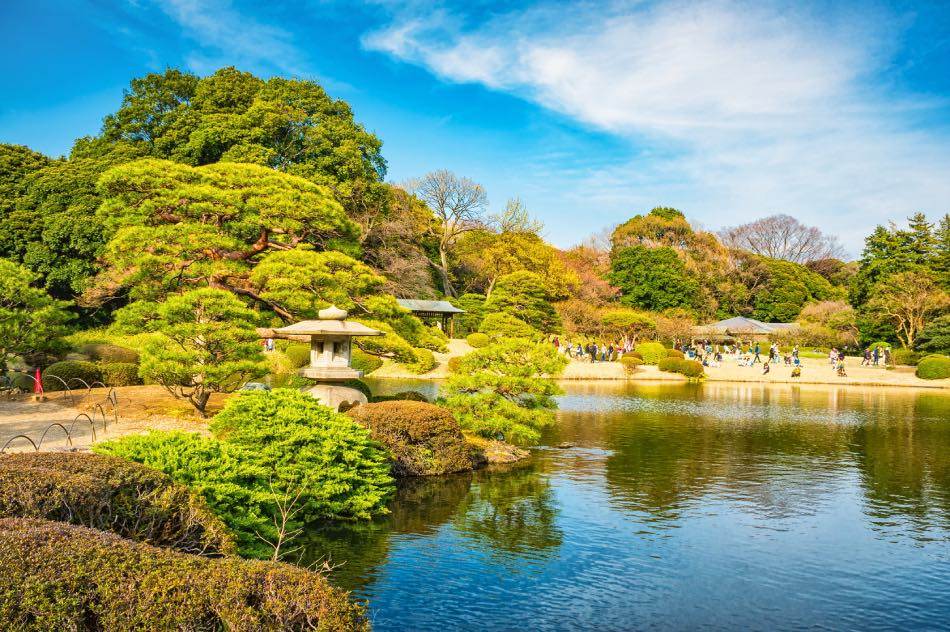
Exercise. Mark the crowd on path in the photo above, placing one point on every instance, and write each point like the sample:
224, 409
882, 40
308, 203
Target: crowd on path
713, 355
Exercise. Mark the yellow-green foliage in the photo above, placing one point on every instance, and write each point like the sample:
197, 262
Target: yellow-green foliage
934, 367
362, 361
689, 368
112, 494
298, 353
651, 352
57, 576
630, 363
422, 438
425, 361
503, 326
477, 340
120, 373
675, 353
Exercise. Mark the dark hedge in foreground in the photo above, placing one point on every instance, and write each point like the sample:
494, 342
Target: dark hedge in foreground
56, 576
109, 493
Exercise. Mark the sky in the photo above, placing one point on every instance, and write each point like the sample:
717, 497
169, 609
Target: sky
837, 113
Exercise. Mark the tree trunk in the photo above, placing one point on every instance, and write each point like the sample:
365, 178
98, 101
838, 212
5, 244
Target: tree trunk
444, 271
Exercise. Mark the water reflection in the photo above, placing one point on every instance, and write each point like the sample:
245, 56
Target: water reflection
679, 506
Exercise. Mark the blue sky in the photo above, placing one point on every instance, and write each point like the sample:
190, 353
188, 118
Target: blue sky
836, 113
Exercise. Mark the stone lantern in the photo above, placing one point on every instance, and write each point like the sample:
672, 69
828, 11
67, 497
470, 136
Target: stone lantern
330, 346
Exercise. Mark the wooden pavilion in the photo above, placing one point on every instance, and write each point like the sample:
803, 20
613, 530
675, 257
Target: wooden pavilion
440, 313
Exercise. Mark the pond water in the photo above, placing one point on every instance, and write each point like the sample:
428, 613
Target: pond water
679, 506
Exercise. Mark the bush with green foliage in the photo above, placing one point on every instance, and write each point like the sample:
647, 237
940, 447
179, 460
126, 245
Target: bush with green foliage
105, 352
503, 326
57, 576
651, 352
208, 345
111, 494
652, 278
880, 345
268, 444
630, 363
787, 289
454, 363
505, 390
424, 361
933, 367
298, 353
401, 396
935, 337
423, 439
689, 368
675, 353
474, 306
526, 296
905, 357
120, 373
364, 362
477, 340
69, 370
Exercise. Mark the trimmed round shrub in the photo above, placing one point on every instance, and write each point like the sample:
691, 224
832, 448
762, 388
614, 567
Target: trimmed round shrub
299, 354
454, 363
675, 353
502, 325
634, 354
120, 373
56, 576
651, 352
67, 371
111, 494
630, 363
689, 368
109, 353
423, 439
933, 367
425, 361
905, 357
362, 361
477, 340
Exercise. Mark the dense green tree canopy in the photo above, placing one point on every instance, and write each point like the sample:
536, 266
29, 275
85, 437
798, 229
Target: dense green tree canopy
652, 278
526, 296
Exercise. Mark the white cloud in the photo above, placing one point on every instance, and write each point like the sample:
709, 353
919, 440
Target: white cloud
753, 108
226, 36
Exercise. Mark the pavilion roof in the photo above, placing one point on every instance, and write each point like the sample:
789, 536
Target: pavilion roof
437, 307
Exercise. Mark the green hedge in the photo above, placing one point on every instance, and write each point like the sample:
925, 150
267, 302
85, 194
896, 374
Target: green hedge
651, 352
933, 367
68, 370
675, 353
112, 494
120, 373
425, 361
104, 352
689, 368
423, 439
906, 357
56, 576
630, 363
478, 340
362, 361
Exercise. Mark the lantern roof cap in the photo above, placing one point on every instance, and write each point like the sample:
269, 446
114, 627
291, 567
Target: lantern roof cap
327, 326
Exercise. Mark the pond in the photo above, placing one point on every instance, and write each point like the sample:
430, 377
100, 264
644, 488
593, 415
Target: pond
725, 506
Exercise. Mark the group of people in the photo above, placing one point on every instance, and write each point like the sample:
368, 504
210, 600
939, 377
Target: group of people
872, 357
602, 352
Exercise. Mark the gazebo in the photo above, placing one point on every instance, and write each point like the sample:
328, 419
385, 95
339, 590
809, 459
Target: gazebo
740, 327
439, 312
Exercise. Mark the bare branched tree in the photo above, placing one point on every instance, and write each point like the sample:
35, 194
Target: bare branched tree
515, 218
459, 204
288, 506
782, 237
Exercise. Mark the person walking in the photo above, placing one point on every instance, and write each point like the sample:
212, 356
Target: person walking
876, 355
758, 350
887, 356
557, 343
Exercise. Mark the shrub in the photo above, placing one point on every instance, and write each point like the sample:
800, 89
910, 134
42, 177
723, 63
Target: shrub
454, 363
269, 444
67, 371
503, 326
651, 352
280, 369
55, 576
933, 367
477, 340
630, 363
410, 396
298, 354
503, 390
111, 494
906, 357
675, 353
106, 353
423, 439
634, 354
362, 361
120, 373
425, 361
689, 368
